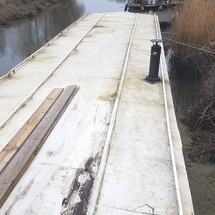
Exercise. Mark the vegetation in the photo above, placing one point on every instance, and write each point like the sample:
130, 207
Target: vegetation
202, 115
11, 10
201, 121
195, 32
194, 26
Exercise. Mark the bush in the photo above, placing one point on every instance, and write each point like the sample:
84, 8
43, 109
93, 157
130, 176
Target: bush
13, 10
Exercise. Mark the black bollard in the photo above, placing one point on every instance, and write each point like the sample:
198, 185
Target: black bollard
154, 62
126, 7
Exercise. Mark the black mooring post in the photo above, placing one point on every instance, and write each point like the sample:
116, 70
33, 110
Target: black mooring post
154, 62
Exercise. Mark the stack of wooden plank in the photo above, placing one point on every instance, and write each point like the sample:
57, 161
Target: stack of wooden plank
23, 147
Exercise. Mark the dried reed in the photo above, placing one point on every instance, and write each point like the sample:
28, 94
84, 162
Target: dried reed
201, 120
202, 116
202, 149
195, 30
195, 23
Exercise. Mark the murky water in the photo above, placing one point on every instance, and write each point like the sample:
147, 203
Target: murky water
185, 90
25, 37
201, 177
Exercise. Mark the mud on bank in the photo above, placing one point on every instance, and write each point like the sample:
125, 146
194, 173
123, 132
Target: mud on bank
12, 10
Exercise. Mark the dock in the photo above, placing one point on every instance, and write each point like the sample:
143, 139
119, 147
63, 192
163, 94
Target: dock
82, 132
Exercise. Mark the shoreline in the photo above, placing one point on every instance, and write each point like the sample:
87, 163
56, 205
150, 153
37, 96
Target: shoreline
11, 11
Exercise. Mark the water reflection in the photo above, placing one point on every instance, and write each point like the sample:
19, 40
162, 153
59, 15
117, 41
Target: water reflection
97, 6
20, 41
185, 94
120, 1
185, 90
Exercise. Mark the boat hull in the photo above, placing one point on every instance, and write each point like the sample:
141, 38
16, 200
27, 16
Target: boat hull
146, 8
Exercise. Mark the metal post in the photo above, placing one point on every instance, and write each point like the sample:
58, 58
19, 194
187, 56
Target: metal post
154, 62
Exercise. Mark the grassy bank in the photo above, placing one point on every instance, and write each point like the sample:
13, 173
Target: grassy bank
12, 10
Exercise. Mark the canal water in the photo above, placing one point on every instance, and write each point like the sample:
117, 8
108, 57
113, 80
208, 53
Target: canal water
24, 37
185, 92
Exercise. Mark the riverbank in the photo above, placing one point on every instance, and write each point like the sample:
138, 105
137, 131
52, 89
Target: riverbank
19, 9
195, 47
193, 75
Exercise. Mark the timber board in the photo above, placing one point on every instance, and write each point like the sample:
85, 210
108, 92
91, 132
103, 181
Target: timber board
17, 141
22, 159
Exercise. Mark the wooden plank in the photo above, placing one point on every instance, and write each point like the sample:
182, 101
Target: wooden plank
17, 141
21, 160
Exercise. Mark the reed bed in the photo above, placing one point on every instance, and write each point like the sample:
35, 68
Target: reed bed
202, 116
201, 121
195, 33
195, 49
195, 23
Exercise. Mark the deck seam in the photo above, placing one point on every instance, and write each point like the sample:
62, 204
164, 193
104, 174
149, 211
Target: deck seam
143, 102
127, 210
13, 70
177, 186
29, 97
101, 172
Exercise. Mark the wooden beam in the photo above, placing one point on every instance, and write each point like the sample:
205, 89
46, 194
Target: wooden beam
17, 141
22, 159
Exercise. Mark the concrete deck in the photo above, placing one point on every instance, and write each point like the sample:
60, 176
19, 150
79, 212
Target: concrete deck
116, 149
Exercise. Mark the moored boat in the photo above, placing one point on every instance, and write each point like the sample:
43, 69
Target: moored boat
165, 9
149, 5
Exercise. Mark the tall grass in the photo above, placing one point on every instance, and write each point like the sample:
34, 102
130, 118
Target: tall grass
201, 121
195, 31
196, 22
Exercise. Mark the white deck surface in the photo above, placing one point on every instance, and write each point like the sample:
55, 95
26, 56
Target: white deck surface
106, 55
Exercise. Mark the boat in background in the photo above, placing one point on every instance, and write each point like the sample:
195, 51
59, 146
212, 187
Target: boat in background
165, 9
150, 5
